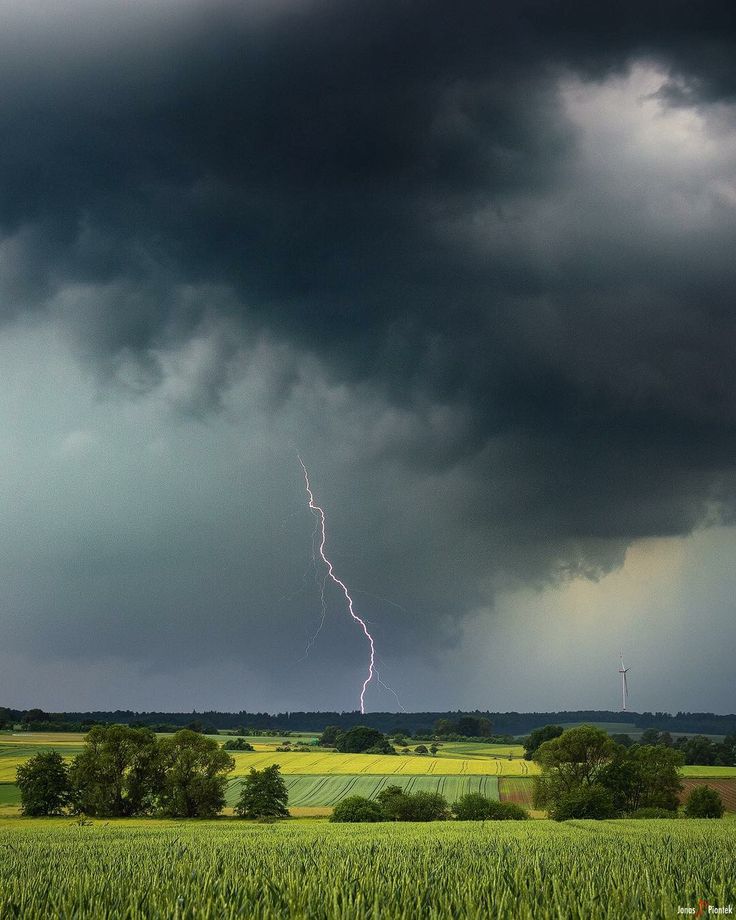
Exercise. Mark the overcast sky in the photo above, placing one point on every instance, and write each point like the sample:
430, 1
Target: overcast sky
473, 261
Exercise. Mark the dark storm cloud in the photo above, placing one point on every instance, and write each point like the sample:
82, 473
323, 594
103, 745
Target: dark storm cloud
540, 354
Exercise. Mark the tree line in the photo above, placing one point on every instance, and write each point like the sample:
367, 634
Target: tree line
409, 723
698, 750
125, 772
395, 804
586, 774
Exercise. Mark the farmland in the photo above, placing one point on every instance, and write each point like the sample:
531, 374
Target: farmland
582, 869
726, 788
384, 764
329, 789
319, 779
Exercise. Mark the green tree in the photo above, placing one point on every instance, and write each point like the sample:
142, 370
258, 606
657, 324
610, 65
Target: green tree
593, 801
238, 744
704, 802
360, 739
395, 803
356, 808
476, 807
116, 775
329, 736
421, 749
570, 763
472, 807
429, 806
539, 736
44, 785
643, 777
443, 727
194, 772
398, 805
263, 794
474, 727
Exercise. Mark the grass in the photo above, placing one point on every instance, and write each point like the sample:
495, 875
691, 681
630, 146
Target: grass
308, 868
708, 771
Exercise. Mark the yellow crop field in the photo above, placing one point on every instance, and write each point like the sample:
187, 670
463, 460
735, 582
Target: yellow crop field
16, 749
382, 764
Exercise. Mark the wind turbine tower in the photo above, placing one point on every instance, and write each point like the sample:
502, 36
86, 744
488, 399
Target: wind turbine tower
624, 685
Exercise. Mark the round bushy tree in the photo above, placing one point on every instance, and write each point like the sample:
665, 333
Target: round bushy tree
429, 806
476, 807
653, 812
360, 739
584, 802
264, 794
356, 808
44, 785
704, 802
472, 807
194, 775
117, 773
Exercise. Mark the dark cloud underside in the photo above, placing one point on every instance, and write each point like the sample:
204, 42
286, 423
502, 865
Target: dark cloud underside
417, 203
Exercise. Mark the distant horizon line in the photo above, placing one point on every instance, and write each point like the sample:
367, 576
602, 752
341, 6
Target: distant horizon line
376, 712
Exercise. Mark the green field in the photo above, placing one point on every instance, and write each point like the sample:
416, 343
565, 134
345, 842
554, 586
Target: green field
536, 870
9, 794
329, 789
708, 771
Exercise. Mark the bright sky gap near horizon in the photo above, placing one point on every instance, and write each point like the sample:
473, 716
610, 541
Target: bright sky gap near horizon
477, 263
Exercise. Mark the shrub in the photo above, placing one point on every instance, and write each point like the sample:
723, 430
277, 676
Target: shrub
476, 807
238, 744
360, 739
653, 813
395, 803
398, 805
383, 747
356, 808
704, 802
428, 806
584, 802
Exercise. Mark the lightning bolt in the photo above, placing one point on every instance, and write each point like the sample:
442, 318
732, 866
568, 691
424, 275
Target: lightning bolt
314, 507
321, 584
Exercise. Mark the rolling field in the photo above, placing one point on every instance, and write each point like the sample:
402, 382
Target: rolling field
472, 749
319, 779
329, 789
535, 870
16, 749
380, 764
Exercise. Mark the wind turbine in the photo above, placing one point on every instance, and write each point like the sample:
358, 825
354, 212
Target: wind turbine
624, 685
